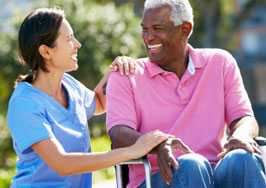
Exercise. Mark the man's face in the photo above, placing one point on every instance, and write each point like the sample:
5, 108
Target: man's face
163, 40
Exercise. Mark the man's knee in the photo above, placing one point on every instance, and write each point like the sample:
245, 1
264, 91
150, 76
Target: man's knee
239, 168
238, 156
235, 162
194, 171
194, 164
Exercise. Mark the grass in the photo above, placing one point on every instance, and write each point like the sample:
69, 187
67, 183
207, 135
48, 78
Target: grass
101, 144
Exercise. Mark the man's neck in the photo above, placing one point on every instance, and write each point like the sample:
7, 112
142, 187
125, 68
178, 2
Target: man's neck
178, 67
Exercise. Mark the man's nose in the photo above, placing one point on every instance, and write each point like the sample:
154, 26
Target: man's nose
149, 36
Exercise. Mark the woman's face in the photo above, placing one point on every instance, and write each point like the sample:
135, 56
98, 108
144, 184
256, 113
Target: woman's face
64, 56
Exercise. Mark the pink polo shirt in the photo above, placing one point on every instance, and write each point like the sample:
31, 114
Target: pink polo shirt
196, 108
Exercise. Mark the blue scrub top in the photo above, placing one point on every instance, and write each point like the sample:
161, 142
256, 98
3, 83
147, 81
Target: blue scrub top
34, 116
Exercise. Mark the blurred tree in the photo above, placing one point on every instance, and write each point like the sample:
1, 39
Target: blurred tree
219, 20
216, 21
107, 31
104, 30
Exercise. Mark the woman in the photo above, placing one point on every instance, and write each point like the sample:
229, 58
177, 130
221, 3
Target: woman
49, 109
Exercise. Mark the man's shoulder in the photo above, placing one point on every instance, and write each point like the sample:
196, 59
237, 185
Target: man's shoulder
212, 56
140, 70
213, 52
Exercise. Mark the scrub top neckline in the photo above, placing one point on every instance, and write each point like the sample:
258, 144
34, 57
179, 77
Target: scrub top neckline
65, 110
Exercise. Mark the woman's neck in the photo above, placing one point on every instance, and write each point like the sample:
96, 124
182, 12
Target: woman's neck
51, 83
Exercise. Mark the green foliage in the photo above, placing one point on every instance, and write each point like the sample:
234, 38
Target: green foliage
6, 177
104, 30
101, 144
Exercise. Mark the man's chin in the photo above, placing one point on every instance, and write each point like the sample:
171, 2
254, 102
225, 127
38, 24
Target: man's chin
155, 60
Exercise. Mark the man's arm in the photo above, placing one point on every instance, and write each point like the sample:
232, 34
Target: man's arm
241, 135
122, 136
244, 128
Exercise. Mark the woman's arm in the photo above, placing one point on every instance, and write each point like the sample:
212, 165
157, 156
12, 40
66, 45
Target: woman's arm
100, 94
75, 163
125, 65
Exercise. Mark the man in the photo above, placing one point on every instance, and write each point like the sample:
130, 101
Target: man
194, 94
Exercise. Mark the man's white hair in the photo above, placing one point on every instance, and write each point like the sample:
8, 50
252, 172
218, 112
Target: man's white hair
181, 10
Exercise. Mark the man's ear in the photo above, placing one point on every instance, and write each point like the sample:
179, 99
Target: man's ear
186, 28
45, 51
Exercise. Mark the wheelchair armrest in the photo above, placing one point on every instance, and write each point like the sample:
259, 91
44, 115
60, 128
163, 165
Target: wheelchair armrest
147, 168
261, 141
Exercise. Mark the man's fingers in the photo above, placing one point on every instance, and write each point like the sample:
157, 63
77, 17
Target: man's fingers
173, 163
162, 164
180, 145
238, 144
257, 150
222, 154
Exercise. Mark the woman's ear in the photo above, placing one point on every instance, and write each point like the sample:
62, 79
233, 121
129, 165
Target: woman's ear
45, 51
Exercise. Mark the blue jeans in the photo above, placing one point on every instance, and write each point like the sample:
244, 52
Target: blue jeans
238, 169
194, 172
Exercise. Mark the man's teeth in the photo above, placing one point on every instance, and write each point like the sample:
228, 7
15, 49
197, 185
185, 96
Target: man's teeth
154, 46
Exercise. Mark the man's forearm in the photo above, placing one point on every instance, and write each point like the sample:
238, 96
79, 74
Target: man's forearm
122, 136
245, 127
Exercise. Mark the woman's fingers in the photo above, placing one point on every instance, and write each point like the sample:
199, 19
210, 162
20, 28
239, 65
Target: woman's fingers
125, 65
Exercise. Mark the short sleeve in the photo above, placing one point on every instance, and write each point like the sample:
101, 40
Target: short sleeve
121, 108
27, 123
237, 103
86, 95
89, 102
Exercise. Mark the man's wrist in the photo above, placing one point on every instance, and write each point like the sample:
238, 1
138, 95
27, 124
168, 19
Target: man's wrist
246, 138
157, 148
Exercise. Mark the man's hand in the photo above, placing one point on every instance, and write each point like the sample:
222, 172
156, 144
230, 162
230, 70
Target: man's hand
242, 131
237, 143
166, 159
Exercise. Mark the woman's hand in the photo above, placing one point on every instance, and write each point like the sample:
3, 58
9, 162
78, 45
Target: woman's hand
147, 142
125, 65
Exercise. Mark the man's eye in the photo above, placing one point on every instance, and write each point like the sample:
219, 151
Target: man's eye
144, 29
159, 28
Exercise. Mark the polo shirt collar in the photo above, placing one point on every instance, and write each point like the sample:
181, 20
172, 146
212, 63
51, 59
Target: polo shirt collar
195, 62
197, 58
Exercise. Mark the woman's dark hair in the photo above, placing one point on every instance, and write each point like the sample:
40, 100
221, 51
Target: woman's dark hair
40, 27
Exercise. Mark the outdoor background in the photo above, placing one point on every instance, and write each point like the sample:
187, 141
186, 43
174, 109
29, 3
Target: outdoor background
109, 28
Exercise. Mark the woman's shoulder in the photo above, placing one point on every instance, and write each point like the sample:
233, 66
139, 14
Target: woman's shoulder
75, 85
72, 82
25, 95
